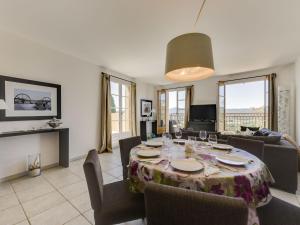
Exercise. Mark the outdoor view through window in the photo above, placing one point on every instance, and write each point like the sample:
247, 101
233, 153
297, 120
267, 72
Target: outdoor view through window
246, 104
120, 118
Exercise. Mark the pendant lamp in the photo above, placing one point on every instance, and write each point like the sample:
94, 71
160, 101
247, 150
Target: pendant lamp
189, 57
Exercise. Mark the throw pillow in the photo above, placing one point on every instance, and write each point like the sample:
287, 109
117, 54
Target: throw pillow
244, 128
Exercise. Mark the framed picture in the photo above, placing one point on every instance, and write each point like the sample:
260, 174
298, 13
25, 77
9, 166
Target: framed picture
29, 100
146, 108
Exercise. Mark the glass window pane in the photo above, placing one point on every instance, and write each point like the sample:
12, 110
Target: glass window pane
125, 102
125, 90
181, 105
181, 95
115, 101
115, 126
114, 88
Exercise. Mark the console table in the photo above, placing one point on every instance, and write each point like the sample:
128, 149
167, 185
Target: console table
63, 141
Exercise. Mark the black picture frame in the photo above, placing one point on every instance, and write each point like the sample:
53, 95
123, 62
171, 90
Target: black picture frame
3, 116
143, 114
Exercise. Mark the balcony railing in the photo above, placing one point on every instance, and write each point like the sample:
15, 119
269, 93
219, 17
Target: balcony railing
234, 121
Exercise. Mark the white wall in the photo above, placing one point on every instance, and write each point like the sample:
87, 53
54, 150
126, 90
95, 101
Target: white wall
297, 82
80, 83
80, 102
144, 91
206, 92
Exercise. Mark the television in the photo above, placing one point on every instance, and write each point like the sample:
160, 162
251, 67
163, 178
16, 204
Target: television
203, 112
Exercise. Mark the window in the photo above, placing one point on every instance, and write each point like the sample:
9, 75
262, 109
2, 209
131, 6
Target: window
120, 118
243, 103
176, 106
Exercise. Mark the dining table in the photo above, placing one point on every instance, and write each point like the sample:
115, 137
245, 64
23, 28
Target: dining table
249, 181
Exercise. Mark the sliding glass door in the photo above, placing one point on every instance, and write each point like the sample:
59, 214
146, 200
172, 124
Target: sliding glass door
243, 102
176, 106
120, 108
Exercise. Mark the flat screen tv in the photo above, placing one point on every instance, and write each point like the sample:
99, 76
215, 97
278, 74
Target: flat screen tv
203, 112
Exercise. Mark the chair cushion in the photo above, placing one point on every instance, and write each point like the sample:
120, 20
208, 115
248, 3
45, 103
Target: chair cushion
120, 205
278, 212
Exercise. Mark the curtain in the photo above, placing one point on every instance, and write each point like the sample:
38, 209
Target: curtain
105, 117
188, 102
161, 111
132, 108
221, 106
272, 115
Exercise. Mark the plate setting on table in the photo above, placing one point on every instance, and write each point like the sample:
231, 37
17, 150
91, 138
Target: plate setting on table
187, 165
148, 153
223, 147
232, 160
154, 144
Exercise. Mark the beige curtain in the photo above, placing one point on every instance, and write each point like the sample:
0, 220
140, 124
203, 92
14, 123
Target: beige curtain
188, 102
105, 126
221, 106
133, 108
272, 115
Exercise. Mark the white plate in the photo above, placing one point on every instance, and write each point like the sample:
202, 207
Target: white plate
223, 146
232, 160
154, 143
187, 165
148, 153
179, 141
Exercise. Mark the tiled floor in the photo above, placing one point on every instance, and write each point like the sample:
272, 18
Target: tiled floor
60, 195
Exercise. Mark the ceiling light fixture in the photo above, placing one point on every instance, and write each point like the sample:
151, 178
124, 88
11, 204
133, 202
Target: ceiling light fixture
189, 56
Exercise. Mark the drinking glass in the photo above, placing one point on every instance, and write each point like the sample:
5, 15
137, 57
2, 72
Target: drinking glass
178, 133
212, 139
192, 140
203, 135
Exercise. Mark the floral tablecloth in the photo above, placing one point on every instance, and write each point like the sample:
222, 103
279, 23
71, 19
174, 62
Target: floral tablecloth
249, 182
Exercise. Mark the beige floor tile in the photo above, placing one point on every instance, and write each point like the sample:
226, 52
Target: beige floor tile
12, 215
80, 220
25, 222
107, 177
134, 222
8, 201
108, 165
35, 191
26, 182
82, 202
89, 215
116, 172
42, 203
5, 188
64, 180
74, 190
57, 215
287, 197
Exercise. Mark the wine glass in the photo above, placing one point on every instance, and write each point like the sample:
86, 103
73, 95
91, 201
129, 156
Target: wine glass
178, 133
203, 135
212, 139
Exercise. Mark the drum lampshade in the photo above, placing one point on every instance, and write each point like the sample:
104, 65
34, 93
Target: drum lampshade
189, 58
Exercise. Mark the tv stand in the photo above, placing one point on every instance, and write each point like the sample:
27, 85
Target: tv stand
203, 125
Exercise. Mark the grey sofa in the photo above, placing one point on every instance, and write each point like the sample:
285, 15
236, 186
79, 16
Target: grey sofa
281, 158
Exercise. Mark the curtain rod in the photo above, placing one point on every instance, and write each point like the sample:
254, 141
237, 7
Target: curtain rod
274, 74
118, 78
177, 87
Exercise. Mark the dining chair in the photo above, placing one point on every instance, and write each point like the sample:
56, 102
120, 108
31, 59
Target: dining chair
252, 146
278, 212
112, 203
166, 205
125, 146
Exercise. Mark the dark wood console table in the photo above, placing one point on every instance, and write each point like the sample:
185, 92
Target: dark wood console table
63, 141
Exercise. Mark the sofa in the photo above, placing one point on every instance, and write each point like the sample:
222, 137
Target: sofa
280, 156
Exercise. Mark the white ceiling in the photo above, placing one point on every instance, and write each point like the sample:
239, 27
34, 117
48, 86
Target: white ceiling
130, 36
